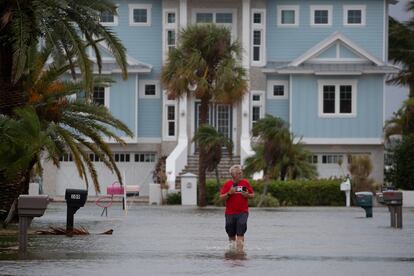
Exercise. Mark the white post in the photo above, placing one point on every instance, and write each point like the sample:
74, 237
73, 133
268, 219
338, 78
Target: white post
125, 196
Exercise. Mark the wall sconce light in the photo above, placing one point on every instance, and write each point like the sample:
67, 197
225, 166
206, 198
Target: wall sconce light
245, 114
182, 113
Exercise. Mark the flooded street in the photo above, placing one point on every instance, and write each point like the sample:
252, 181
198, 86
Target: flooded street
177, 240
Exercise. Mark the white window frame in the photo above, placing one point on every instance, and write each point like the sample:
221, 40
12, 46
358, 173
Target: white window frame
262, 28
214, 12
143, 83
167, 103
314, 8
362, 8
281, 8
133, 7
114, 23
260, 104
272, 83
337, 84
106, 95
169, 27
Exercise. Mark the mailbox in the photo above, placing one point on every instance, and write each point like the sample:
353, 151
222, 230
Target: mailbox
392, 197
364, 200
346, 185
32, 206
75, 199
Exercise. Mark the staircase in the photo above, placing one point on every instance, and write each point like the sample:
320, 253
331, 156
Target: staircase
223, 168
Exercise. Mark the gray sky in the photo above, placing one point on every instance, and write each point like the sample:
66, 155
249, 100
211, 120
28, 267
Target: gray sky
395, 95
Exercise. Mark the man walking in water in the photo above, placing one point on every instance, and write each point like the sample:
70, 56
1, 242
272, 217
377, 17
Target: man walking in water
236, 193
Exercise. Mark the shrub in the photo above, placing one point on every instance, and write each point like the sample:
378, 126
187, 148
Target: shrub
402, 172
174, 198
268, 201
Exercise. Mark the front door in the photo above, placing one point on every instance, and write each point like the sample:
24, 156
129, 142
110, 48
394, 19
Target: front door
219, 116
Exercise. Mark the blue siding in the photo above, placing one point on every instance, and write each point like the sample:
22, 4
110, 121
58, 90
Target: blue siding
122, 101
367, 123
279, 108
142, 43
287, 43
328, 53
344, 52
149, 118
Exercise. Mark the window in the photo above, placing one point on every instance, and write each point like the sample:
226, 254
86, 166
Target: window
321, 15
94, 157
257, 102
145, 157
258, 31
170, 31
337, 98
170, 118
149, 89
223, 17
108, 19
332, 158
313, 159
101, 95
121, 157
277, 90
287, 16
139, 15
66, 157
354, 15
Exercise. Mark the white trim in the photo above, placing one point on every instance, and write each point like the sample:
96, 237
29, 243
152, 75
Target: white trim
111, 24
107, 95
262, 28
385, 33
362, 8
214, 12
166, 28
290, 102
148, 140
166, 104
260, 104
337, 60
336, 73
327, 42
340, 141
136, 104
383, 100
272, 83
142, 85
337, 84
281, 8
314, 8
132, 7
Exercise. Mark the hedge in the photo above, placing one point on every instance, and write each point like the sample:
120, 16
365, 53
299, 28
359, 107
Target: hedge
320, 192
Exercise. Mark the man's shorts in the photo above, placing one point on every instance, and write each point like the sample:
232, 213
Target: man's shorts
236, 224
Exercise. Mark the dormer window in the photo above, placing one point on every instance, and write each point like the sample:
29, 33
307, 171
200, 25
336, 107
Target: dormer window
321, 15
354, 15
288, 16
139, 15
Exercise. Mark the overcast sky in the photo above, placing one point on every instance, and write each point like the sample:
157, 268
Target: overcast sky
395, 95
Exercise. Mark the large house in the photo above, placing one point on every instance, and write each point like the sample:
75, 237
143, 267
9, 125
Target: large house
318, 64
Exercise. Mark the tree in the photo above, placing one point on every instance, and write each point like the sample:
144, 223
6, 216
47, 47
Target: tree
402, 123
205, 65
401, 173
71, 27
213, 142
51, 124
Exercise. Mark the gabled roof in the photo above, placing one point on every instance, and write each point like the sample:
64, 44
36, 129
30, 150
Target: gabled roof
329, 42
109, 64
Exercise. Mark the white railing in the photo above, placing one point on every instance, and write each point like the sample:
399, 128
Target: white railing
176, 162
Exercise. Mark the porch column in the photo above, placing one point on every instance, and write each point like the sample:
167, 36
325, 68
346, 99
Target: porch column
183, 112
245, 147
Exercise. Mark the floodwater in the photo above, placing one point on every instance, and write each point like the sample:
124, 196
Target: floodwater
176, 240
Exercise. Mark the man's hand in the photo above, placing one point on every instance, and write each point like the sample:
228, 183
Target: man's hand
231, 191
245, 194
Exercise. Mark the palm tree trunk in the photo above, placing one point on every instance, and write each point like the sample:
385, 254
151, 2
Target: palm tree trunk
11, 189
264, 191
205, 101
218, 179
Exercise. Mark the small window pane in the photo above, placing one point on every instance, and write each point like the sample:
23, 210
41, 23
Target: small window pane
256, 98
171, 37
106, 17
257, 35
204, 18
321, 17
99, 95
171, 112
140, 15
329, 99
150, 90
257, 18
224, 18
171, 128
354, 16
255, 113
116, 157
171, 17
345, 99
288, 17
256, 53
278, 90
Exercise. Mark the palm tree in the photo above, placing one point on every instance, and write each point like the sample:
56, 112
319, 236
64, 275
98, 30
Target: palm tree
273, 138
213, 142
71, 27
295, 162
57, 124
205, 65
402, 123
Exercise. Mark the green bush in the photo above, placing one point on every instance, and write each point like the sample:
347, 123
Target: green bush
402, 171
174, 198
321, 192
268, 201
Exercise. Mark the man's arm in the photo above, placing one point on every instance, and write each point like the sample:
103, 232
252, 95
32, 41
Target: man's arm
225, 196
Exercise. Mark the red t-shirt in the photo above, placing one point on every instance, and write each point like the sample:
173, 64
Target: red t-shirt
236, 203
